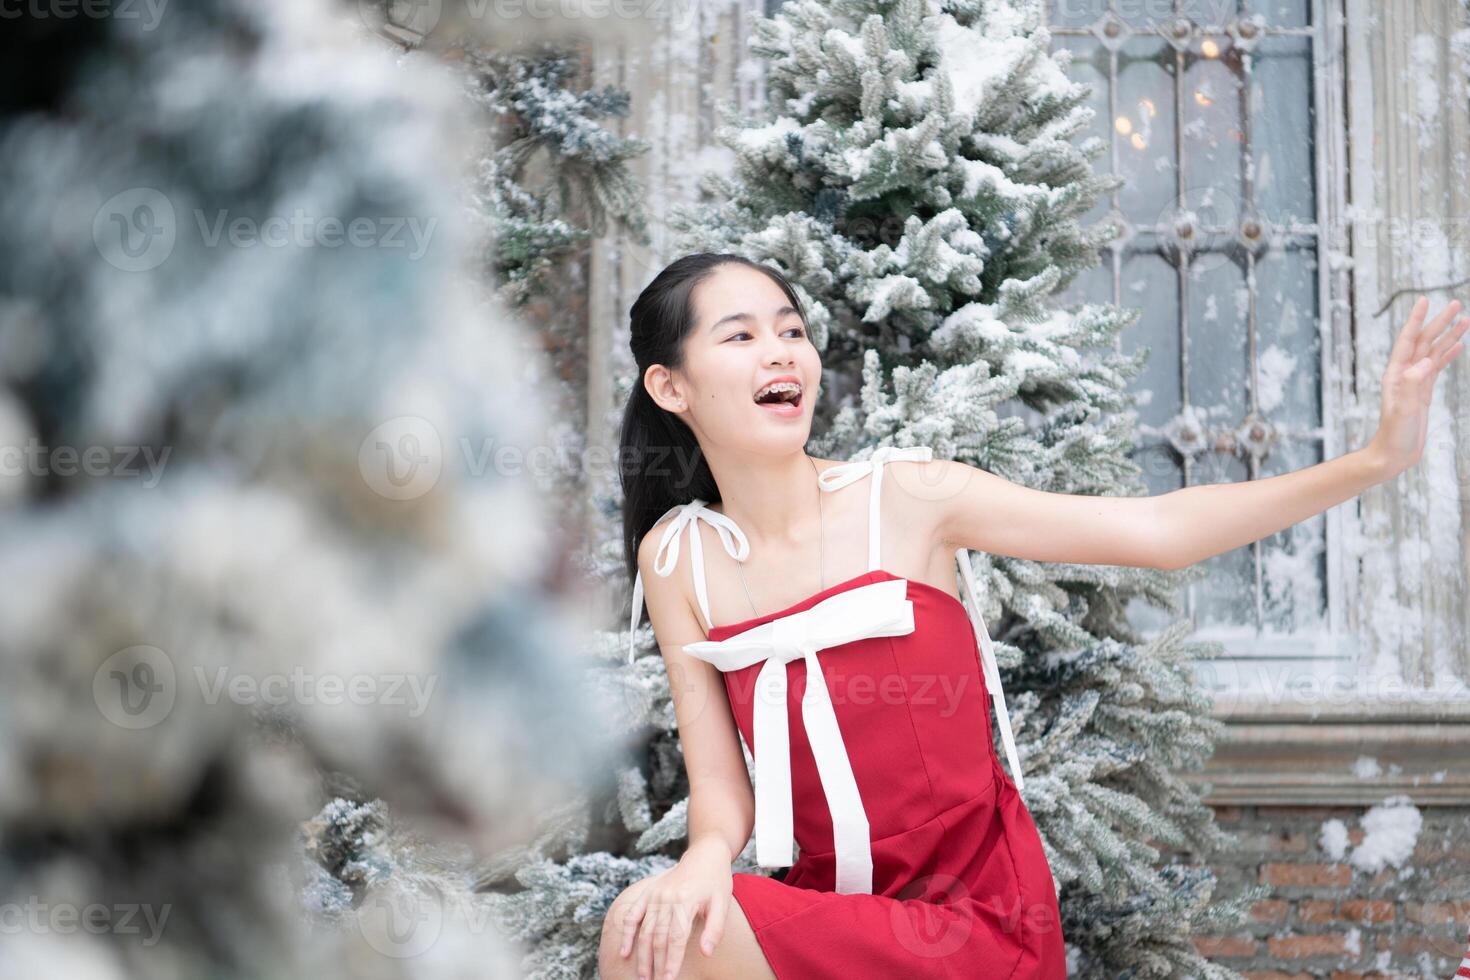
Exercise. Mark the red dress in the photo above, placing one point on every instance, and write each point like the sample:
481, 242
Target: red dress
918, 857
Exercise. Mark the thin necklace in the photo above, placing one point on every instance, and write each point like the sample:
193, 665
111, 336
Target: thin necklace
821, 543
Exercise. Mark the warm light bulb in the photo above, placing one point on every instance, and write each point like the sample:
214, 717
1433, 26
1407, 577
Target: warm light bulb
1123, 125
1209, 48
1138, 142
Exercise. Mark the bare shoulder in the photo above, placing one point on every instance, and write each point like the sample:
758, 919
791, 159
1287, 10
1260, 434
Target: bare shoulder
925, 491
648, 552
678, 587
648, 545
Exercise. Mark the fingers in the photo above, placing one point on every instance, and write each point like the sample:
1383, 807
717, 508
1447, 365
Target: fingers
632, 915
714, 925
646, 939
1430, 333
1440, 349
678, 940
1402, 354
1418, 340
1423, 372
655, 929
661, 941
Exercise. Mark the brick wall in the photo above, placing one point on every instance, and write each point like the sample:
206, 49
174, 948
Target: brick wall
1326, 918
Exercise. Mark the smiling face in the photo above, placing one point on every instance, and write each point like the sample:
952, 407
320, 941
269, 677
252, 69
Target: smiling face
746, 338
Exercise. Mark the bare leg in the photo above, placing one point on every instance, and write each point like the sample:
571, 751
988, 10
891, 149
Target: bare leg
738, 956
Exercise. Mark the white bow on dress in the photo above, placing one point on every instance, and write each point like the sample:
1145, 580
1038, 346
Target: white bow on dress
877, 609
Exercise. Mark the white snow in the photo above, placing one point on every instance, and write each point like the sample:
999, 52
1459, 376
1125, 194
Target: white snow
759, 139
1242, 300
978, 172
1423, 81
975, 320
851, 44
894, 293
1367, 767
1391, 829
895, 144
915, 95
976, 57
1294, 589
802, 104
1334, 839
1273, 369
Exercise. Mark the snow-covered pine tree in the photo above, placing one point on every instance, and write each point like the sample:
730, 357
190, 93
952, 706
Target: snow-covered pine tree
273, 489
556, 175
916, 178
548, 177
551, 176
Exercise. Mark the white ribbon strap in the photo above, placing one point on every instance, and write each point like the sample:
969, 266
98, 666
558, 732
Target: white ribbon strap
837, 477
667, 555
877, 609
991, 668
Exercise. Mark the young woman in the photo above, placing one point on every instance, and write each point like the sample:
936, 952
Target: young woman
822, 625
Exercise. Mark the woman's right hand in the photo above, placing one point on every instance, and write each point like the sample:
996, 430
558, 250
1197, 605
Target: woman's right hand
663, 907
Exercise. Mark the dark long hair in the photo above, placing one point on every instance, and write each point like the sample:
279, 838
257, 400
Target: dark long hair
660, 463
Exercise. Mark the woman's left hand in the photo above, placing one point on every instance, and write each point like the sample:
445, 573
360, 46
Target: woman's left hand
1419, 354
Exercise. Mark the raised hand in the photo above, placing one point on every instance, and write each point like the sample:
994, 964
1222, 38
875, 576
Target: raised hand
1419, 354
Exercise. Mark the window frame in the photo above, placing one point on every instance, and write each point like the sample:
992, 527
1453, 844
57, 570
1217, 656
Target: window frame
1252, 664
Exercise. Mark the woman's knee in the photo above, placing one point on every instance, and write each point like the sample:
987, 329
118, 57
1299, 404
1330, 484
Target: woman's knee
611, 965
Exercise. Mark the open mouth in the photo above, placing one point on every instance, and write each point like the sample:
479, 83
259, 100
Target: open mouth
781, 397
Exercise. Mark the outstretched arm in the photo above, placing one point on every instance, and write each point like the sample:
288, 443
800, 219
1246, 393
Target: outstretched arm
1204, 521
1172, 530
